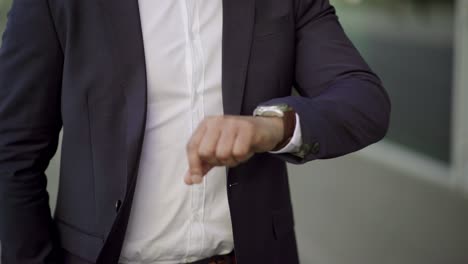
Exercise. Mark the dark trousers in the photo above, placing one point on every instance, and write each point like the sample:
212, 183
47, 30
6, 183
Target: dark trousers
69, 258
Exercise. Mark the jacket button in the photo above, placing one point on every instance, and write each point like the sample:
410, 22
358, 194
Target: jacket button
315, 148
118, 203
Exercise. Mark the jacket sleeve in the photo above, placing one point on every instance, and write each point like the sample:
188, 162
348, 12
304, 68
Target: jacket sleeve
342, 104
30, 121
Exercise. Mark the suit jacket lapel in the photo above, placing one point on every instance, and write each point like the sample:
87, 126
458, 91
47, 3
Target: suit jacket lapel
126, 41
238, 22
123, 26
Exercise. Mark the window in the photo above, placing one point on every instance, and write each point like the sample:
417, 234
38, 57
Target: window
409, 43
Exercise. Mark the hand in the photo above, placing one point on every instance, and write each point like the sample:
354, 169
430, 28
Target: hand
229, 141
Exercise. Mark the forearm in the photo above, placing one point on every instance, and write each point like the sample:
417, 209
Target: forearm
343, 106
30, 121
26, 228
348, 116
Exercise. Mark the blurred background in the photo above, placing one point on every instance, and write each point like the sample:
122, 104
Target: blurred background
404, 199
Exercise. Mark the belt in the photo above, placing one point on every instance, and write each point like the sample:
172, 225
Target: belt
219, 259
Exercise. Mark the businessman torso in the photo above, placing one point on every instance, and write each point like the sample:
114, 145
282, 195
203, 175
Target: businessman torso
103, 110
116, 74
86, 72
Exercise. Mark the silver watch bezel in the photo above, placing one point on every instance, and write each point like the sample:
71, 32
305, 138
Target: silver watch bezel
272, 110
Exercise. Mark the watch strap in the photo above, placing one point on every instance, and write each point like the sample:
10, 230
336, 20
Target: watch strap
289, 124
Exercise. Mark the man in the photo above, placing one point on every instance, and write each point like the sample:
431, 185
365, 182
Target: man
152, 94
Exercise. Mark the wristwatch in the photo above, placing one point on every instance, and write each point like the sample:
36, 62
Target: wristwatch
280, 110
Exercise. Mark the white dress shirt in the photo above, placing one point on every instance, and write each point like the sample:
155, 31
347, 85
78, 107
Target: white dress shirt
172, 222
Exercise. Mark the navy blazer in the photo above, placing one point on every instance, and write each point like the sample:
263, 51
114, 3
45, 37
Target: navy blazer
79, 65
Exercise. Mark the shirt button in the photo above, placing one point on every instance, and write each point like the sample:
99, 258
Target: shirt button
118, 203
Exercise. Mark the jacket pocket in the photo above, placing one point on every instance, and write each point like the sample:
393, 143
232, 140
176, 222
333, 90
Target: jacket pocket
86, 246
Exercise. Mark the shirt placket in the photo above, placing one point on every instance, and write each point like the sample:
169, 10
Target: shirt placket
196, 71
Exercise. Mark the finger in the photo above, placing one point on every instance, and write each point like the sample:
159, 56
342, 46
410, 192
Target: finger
206, 168
194, 161
207, 147
224, 146
195, 179
188, 178
242, 148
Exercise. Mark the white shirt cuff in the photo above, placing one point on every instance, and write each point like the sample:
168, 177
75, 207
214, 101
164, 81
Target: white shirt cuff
295, 142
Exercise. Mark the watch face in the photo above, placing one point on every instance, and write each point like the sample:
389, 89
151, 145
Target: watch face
284, 107
273, 110
273, 113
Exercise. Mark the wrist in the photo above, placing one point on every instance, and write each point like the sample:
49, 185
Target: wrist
286, 119
288, 124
